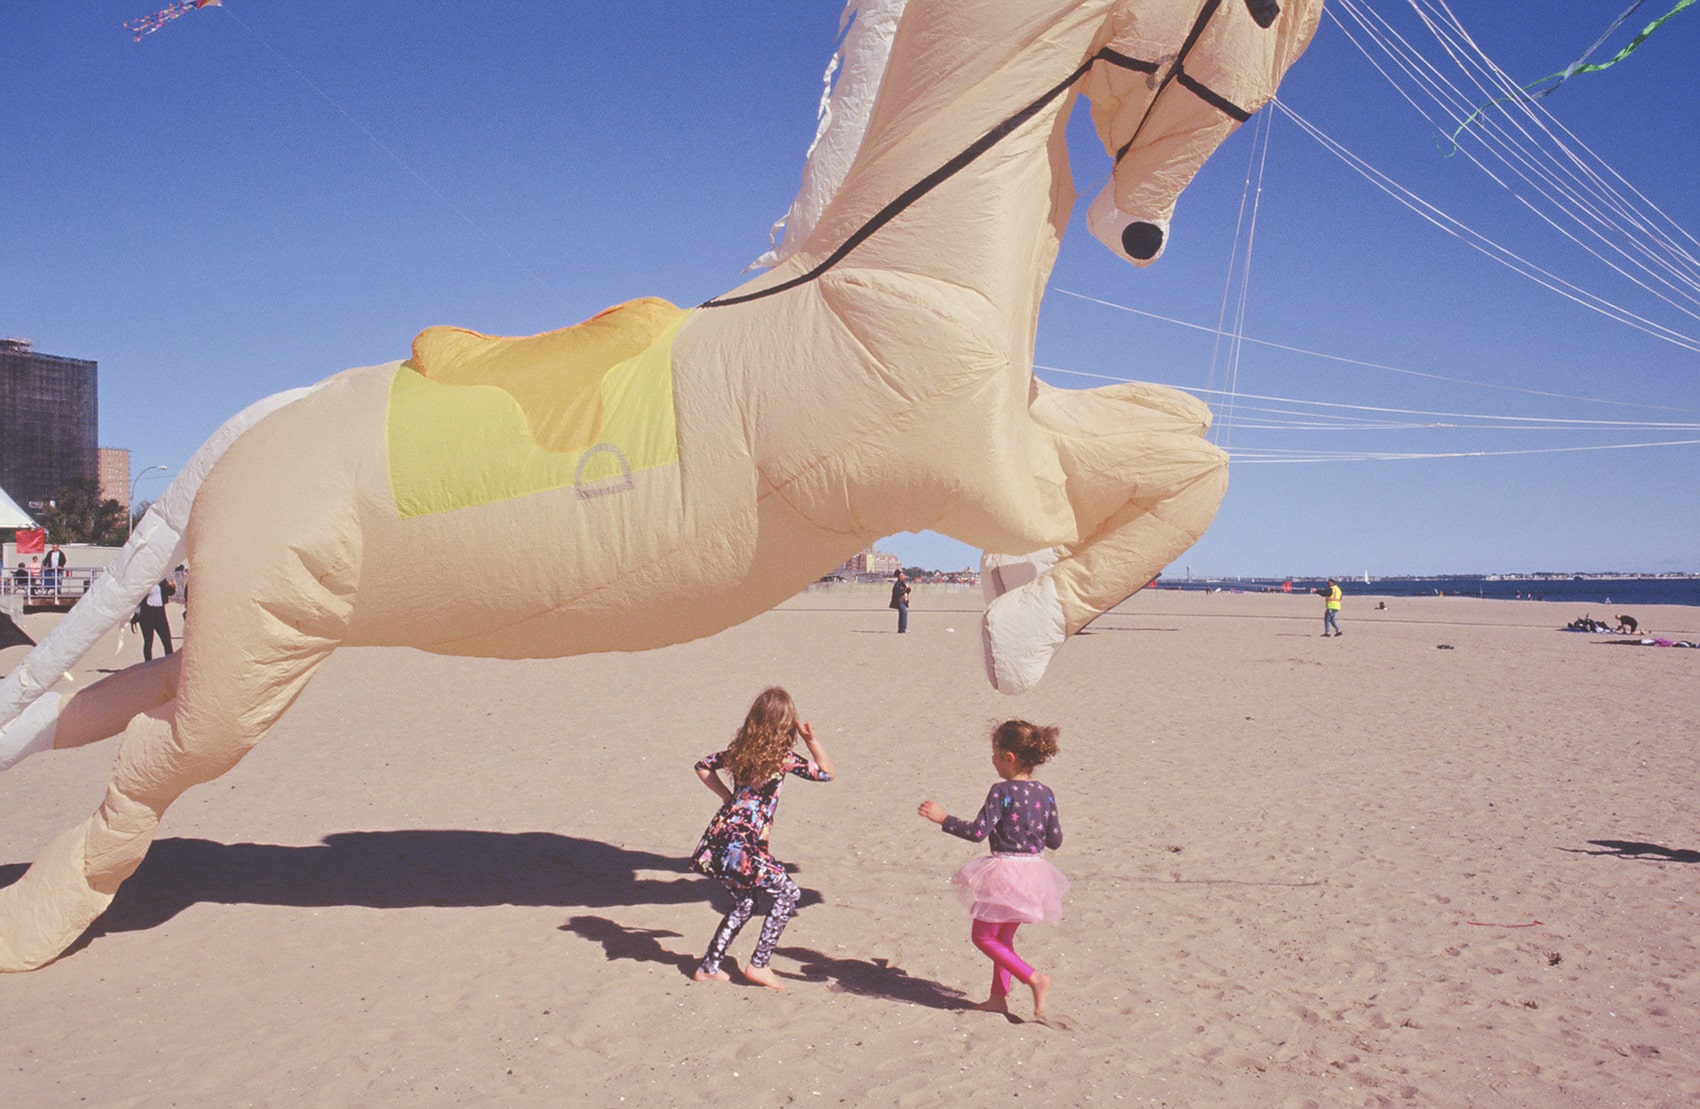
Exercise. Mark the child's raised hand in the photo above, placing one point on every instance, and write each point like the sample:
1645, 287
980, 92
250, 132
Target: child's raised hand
822, 759
933, 811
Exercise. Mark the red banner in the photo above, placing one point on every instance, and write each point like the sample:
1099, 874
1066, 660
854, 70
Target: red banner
32, 540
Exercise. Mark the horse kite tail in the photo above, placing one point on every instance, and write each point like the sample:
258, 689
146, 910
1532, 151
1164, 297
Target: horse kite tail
29, 714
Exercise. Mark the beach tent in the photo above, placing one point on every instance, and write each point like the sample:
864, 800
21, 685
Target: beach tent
11, 516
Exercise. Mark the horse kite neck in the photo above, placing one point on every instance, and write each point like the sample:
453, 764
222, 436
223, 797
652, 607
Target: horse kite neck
968, 117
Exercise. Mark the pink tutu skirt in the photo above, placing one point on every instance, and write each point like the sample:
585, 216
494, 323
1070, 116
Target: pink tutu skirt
1003, 888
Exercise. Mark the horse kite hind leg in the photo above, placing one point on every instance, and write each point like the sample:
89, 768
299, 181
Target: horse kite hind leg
191, 738
247, 657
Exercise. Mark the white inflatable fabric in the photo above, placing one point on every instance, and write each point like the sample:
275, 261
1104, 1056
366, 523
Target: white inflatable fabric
658, 475
154, 548
852, 81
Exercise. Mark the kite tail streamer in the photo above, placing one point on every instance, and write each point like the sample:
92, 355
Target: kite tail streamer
148, 24
28, 713
1580, 65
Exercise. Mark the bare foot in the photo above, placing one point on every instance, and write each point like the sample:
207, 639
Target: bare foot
764, 976
997, 1003
1041, 984
717, 976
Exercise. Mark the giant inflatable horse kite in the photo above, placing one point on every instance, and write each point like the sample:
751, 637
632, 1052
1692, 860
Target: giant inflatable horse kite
657, 474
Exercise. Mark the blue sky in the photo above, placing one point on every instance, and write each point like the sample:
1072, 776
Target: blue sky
258, 196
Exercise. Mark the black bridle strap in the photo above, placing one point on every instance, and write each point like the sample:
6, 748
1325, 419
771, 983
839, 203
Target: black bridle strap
1177, 72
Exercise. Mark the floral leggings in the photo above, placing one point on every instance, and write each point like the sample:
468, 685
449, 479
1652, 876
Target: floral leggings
784, 893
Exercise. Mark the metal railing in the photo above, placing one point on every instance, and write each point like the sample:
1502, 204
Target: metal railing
60, 589
67, 584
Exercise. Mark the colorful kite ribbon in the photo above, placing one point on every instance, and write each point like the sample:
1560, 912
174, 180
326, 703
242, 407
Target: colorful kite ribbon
1580, 65
148, 24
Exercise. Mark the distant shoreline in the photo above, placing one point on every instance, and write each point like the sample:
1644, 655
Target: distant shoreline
1592, 590
1627, 575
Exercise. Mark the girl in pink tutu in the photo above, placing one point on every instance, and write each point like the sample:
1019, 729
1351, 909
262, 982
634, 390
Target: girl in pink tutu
1015, 883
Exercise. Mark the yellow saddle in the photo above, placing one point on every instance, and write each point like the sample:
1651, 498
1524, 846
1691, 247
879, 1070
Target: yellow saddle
476, 418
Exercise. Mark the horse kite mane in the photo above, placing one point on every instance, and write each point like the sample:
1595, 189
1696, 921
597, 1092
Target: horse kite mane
851, 82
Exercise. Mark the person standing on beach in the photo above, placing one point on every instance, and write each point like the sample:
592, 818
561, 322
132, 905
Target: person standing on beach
733, 851
53, 570
900, 601
1330, 607
1015, 884
150, 618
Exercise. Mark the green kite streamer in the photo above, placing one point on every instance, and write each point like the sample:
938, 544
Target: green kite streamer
1580, 65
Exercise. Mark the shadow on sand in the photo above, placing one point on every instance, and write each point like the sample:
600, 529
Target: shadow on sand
870, 978
400, 869
1626, 849
863, 977
641, 945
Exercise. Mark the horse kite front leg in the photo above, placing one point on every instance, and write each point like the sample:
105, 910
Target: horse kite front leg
1144, 484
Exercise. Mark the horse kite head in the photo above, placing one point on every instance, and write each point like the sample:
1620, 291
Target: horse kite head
1167, 81
1162, 108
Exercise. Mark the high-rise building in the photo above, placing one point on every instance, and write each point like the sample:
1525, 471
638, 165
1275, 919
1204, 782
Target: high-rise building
114, 474
49, 423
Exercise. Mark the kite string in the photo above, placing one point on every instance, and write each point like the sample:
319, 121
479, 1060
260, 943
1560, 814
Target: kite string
1265, 133
1564, 165
1222, 427
1343, 359
1581, 65
1274, 455
1450, 418
1563, 75
1525, 163
1244, 458
1499, 253
1670, 264
1222, 432
1666, 235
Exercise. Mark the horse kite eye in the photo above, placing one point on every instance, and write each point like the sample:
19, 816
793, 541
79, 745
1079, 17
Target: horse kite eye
1142, 240
1263, 11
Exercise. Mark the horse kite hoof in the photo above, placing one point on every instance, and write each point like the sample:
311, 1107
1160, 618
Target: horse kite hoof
1023, 625
43, 913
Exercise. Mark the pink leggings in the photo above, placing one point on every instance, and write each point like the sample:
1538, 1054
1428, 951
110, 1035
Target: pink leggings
996, 940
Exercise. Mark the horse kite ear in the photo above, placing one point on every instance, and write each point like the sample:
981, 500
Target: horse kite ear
1263, 12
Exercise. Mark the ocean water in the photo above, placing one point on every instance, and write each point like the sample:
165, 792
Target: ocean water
1620, 593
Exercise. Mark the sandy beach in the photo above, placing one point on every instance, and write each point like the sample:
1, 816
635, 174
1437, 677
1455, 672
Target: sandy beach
1448, 858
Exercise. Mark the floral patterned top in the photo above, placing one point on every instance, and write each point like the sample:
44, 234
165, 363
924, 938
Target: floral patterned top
734, 847
1019, 816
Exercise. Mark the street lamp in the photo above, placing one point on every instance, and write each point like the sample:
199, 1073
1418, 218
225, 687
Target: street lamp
130, 509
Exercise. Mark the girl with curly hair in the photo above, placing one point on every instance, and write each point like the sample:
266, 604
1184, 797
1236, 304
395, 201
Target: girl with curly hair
733, 850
